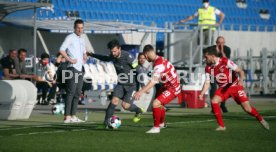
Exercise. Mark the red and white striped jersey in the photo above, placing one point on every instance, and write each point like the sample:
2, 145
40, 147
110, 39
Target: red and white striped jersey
223, 72
167, 75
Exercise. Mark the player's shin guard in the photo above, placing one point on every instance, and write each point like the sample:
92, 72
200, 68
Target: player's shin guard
134, 108
156, 116
256, 114
163, 112
109, 112
217, 113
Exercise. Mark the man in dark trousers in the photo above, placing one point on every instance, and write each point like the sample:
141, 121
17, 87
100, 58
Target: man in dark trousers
124, 64
223, 51
73, 50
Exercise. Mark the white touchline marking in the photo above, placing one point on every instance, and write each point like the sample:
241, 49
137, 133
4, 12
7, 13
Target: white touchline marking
75, 130
61, 131
210, 120
189, 122
14, 128
47, 132
270, 116
249, 118
41, 126
78, 129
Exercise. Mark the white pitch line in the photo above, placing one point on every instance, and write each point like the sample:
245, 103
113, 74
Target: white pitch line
48, 132
41, 126
270, 116
14, 128
209, 120
60, 131
78, 129
190, 122
75, 130
44, 132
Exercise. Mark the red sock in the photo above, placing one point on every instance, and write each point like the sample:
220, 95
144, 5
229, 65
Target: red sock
163, 112
156, 116
255, 113
217, 113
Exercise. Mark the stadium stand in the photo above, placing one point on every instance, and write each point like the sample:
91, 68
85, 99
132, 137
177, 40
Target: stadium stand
104, 79
257, 16
245, 19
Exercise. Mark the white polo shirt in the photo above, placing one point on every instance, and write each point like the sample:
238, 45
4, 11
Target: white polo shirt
74, 46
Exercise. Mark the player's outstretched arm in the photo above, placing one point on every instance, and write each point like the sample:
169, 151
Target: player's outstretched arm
222, 16
151, 84
204, 89
234, 67
100, 57
241, 76
187, 19
84, 58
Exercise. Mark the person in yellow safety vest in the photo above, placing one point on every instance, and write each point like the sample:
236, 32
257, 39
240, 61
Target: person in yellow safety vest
207, 16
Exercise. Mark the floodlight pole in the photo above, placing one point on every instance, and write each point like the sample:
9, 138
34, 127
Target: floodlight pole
34, 43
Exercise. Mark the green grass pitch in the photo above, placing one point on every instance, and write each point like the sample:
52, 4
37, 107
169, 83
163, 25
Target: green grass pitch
189, 130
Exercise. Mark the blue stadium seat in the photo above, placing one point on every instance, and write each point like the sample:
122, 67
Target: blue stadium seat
270, 28
244, 27
1, 74
261, 28
227, 27
162, 11
253, 28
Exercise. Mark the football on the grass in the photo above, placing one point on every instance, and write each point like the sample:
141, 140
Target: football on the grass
58, 108
115, 122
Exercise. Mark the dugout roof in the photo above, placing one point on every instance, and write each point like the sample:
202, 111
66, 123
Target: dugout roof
8, 7
103, 27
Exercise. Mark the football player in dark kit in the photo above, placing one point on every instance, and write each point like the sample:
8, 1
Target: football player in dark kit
125, 65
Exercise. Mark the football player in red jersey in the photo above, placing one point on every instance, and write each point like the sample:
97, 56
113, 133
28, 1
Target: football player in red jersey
230, 79
164, 72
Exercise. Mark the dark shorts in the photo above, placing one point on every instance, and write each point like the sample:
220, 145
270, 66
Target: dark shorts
124, 92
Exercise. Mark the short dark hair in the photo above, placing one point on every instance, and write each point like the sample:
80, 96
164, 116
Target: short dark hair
58, 54
205, 1
148, 48
44, 55
21, 51
78, 21
140, 54
11, 50
210, 50
113, 43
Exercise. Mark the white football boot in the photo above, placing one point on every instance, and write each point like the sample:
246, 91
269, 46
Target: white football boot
154, 130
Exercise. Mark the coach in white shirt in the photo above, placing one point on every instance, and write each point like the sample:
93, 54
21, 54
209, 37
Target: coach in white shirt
73, 50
